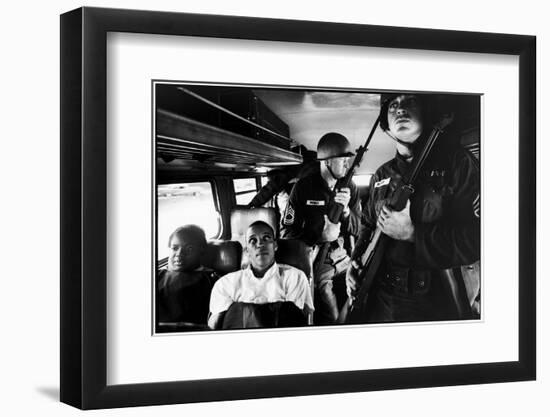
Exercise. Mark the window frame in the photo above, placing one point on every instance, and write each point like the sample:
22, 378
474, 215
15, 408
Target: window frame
162, 262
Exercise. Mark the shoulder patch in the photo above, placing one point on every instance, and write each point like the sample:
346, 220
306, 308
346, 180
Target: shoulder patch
289, 215
476, 206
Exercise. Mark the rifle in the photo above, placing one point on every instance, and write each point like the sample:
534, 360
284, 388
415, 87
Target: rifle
371, 259
335, 210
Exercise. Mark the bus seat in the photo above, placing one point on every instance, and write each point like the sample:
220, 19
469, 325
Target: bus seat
295, 253
243, 216
223, 256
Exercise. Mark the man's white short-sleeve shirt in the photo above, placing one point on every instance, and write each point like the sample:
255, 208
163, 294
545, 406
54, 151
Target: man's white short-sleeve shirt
280, 283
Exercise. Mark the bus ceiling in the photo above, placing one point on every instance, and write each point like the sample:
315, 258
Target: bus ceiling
244, 129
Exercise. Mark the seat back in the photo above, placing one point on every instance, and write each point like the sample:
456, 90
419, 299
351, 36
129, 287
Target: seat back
295, 253
243, 216
223, 256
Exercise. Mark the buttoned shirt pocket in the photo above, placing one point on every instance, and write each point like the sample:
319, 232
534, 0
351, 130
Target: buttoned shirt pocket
420, 282
434, 193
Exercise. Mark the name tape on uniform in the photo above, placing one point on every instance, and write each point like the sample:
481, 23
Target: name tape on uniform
315, 202
383, 182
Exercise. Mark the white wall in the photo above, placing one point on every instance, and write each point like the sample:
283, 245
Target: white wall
30, 206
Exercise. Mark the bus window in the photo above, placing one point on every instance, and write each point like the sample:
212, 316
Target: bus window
185, 203
245, 190
362, 182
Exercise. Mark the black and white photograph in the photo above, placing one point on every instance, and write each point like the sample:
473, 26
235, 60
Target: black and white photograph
257, 208
266, 209
291, 206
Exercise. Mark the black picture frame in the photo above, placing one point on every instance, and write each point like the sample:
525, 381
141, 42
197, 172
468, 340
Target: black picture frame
83, 207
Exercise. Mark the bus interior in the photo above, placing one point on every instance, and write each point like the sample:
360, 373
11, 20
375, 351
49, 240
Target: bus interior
218, 146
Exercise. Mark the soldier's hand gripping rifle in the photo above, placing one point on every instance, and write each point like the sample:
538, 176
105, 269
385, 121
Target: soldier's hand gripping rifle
371, 258
335, 210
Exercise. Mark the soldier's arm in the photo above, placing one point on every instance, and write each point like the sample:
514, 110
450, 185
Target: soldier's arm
274, 186
455, 240
352, 222
292, 225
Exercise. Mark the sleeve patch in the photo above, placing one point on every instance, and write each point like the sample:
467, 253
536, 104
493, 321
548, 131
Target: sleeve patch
476, 206
289, 215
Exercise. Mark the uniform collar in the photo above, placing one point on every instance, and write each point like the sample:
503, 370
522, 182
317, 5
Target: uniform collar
323, 183
401, 163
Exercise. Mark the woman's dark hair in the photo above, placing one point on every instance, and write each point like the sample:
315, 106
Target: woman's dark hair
190, 232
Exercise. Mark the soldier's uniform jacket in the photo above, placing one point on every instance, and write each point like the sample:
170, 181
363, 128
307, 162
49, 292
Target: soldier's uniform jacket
308, 203
445, 209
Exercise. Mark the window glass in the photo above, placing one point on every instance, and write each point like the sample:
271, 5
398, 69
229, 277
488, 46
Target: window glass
362, 180
244, 199
245, 190
181, 204
244, 184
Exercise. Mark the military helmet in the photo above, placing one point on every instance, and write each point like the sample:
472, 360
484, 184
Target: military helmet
385, 99
333, 145
433, 106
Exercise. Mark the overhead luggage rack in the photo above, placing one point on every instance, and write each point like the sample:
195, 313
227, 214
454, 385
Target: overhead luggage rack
180, 137
227, 128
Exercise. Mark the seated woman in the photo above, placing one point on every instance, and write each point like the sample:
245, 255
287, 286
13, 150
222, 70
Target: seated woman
183, 289
265, 294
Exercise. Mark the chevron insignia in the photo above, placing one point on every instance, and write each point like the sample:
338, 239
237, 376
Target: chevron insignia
289, 215
476, 206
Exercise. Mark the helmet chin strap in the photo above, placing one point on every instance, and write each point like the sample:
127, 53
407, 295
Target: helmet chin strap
330, 171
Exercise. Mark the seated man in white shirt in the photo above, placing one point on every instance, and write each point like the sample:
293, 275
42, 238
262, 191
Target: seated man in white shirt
265, 294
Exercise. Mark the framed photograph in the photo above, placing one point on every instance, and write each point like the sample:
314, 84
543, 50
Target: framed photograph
245, 201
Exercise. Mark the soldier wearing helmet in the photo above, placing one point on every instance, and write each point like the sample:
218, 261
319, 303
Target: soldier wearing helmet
438, 231
305, 218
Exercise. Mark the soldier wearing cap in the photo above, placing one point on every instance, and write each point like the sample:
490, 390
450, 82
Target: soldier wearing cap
438, 231
305, 217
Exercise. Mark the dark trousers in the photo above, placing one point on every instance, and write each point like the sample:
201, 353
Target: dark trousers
389, 304
248, 315
385, 306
